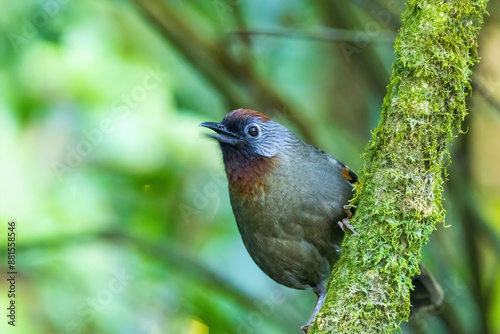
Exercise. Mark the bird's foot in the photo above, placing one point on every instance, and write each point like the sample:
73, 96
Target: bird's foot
347, 209
344, 223
320, 291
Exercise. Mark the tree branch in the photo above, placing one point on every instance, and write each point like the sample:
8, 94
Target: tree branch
400, 190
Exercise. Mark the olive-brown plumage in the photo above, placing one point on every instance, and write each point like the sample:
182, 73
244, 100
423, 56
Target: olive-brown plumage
287, 198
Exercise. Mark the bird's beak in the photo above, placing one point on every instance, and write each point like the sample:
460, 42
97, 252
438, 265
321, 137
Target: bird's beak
225, 136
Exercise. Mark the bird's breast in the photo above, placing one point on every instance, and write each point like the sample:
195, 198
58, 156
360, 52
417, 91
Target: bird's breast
249, 178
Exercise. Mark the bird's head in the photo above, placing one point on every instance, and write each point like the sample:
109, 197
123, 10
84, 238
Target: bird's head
250, 135
251, 144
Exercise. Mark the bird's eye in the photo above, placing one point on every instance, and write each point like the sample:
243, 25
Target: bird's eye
253, 131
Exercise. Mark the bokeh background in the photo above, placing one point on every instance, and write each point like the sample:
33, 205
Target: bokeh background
121, 204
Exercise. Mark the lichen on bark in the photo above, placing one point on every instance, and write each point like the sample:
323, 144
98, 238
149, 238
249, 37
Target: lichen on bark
399, 193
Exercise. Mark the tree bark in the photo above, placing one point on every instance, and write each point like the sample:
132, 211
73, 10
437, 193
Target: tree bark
400, 189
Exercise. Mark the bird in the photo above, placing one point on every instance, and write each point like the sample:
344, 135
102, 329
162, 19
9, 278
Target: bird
290, 200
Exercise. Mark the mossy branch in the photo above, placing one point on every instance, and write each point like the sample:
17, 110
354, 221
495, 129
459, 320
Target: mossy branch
400, 190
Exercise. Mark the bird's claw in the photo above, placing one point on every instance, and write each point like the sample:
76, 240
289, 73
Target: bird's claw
347, 209
305, 328
344, 223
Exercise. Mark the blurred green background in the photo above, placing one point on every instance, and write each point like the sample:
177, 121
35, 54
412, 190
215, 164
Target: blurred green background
123, 218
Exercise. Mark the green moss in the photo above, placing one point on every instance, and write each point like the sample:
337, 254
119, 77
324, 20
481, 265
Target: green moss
400, 189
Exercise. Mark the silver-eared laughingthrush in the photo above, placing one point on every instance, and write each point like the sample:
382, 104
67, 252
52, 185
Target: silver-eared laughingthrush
288, 199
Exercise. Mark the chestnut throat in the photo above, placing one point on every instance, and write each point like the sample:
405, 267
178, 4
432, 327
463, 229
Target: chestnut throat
247, 174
